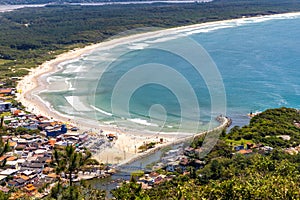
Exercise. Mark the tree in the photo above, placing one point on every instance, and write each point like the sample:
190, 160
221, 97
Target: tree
70, 162
4, 148
2, 121
130, 191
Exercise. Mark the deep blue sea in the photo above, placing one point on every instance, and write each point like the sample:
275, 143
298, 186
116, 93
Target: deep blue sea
154, 84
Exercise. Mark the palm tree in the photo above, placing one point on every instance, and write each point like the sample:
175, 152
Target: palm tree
1, 121
4, 148
70, 162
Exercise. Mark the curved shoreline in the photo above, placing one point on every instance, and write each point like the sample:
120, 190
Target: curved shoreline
224, 122
35, 82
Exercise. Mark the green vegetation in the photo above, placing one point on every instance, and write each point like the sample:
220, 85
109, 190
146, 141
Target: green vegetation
80, 191
30, 36
266, 128
230, 175
146, 146
68, 163
238, 142
17, 2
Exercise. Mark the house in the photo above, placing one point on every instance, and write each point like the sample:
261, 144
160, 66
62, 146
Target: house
12, 158
5, 106
184, 161
54, 132
12, 183
172, 166
12, 164
4, 189
158, 166
9, 172
52, 176
6, 91
153, 174
266, 149
28, 172
62, 144
173, 152
83, 137
41, 160
30, 188
12, 145
19, 182
3, 158
189, 151
2, 178
238, 148
48, 170
245, 151
32, 166
197, 163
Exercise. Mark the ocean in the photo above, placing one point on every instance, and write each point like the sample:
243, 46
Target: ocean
179, 82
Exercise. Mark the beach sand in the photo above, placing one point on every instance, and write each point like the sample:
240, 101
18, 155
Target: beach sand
124, 148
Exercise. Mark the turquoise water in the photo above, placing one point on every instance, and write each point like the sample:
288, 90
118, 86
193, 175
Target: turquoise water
259, 64
258, 61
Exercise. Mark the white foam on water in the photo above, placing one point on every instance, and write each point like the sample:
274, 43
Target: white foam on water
69, 83
142, 122
106, 54
101, 111
164, 39
50, 79
72, 68
77, 104
68, 109
138, 46
206, 30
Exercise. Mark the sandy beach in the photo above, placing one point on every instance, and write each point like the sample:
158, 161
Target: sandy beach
124, 149
9, 8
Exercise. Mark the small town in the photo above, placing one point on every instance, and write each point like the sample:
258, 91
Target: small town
142, 100
28, 145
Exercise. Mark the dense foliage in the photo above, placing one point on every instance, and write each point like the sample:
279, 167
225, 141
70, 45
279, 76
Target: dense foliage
268, 126
229, 175
30, 36
275, 176
67, 163
18, 2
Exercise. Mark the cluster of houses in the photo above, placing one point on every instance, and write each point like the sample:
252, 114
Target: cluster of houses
27, 165
252, 148
175, 160
148, 180
179, 160
6, 95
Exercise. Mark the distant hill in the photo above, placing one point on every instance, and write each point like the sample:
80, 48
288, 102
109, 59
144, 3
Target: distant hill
18, 2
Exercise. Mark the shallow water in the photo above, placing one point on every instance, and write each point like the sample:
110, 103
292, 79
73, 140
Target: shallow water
142, 86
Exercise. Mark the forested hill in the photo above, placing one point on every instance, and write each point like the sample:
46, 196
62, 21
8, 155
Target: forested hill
252, 162
30, 36
19, 2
